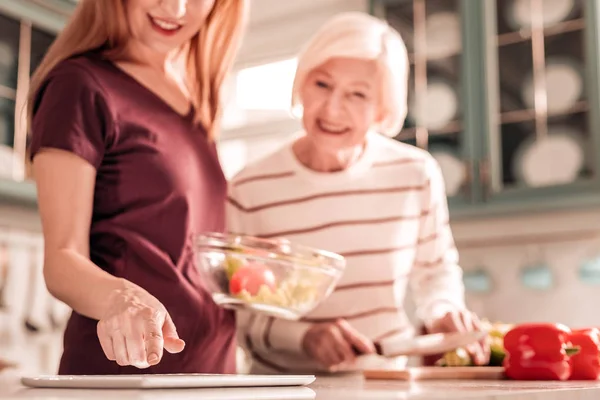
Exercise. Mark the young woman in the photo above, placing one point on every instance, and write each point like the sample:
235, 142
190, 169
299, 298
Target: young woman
124, 109
345, 188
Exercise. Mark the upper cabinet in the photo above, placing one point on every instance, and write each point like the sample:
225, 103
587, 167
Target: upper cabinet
27, 29
542, 114
504, 94
436, 119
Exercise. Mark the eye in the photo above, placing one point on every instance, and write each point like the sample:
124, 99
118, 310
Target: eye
322, 84
360, 95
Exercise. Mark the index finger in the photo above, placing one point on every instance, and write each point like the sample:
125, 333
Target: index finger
154, 341
355, 338
477, 350
461, 321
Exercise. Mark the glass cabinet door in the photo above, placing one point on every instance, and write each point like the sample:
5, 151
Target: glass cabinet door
9, 57
41, 41
541, 87
432, 32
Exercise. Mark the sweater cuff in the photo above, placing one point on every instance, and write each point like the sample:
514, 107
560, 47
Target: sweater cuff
287, 335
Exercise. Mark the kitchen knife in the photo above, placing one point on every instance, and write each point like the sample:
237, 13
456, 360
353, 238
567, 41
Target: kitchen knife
424, 345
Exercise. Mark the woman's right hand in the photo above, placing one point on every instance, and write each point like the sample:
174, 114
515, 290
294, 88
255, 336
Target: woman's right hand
135, 329
335, 343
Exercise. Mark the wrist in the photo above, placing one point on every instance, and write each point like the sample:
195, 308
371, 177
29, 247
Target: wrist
437, 311
116, 290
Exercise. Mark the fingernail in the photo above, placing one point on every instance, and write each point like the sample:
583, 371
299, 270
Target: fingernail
153, 358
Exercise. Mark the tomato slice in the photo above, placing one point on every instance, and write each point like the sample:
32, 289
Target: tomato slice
250, 278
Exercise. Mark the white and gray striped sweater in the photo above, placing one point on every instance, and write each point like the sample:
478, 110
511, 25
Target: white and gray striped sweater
387, 214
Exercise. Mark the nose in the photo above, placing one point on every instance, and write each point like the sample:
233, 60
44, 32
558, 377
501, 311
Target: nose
174, 8
333, 105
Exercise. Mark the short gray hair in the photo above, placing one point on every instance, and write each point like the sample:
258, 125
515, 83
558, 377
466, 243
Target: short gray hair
360, 35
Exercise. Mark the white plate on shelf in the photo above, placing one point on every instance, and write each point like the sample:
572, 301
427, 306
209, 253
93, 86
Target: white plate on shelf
453, 169
443, 34
553, 160
518, 12
564, 85
440, 105
165, 381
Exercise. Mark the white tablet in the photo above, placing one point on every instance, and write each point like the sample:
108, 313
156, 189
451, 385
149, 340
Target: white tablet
164, 381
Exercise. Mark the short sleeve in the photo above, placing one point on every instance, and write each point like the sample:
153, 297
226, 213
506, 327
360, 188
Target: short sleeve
72, 113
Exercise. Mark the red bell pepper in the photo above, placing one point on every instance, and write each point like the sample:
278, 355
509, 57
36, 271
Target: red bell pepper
538, 351
586, 364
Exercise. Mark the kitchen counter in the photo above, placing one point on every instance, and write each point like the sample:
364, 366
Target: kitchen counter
346, 387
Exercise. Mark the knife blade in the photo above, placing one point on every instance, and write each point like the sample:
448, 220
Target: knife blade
424, 345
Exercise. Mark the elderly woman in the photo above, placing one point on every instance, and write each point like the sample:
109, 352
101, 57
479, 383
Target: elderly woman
343, 187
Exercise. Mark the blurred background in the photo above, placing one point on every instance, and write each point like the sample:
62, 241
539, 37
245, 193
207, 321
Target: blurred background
504, 93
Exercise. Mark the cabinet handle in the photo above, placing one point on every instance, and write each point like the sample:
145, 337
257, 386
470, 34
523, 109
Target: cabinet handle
485, 178
467, 187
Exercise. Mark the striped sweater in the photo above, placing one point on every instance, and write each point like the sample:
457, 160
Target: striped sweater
387, 214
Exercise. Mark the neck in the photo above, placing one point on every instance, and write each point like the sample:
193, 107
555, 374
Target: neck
141, 55
320, 160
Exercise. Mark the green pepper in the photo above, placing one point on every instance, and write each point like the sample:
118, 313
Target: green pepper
497, 352
232, 265
455, 358
460, 357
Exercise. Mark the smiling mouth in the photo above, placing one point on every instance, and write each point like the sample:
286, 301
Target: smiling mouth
330, 128
164, 26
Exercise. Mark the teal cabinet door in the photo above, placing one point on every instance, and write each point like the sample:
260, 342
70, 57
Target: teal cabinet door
27, 29
438, 114
541, 128
527, 76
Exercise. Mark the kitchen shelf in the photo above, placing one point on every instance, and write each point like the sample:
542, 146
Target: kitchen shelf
429, 58
452, 128
510, 117
524, 35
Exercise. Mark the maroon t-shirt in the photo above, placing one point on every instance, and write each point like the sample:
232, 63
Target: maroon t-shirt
159, 182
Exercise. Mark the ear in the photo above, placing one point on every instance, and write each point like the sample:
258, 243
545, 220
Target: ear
380, 115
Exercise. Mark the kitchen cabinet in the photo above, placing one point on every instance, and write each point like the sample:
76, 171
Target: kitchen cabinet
505, 94
27, 29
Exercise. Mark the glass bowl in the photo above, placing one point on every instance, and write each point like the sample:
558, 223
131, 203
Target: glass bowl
273, 277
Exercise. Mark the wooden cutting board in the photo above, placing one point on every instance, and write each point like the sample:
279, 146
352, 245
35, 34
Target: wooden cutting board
436, 373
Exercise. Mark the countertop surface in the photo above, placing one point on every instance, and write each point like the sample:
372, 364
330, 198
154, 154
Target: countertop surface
345, 387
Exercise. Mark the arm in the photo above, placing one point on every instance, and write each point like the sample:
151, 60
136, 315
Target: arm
65, 186
436, 278
72, 127
258, 332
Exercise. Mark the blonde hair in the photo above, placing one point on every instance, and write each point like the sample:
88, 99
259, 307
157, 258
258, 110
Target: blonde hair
205, 61
359, 35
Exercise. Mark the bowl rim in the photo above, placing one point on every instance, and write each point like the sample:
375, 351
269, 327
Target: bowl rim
236, 242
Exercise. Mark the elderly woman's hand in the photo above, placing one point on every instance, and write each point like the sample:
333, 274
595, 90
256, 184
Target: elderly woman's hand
136, 328
464, 321
336, 343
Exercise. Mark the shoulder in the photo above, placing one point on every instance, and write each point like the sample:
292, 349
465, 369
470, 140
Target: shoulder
75, 83
404, 156
265, 170
81, 70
